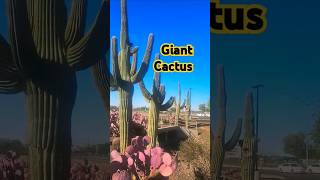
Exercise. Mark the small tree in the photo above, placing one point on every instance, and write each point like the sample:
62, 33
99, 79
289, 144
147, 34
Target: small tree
202, 107
315, 134
294, 144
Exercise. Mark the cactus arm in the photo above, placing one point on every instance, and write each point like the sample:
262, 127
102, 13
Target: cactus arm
167, 105
76, 22
10, 85
156, 83
115, 62
183, 104
134, 53
124, 40
138, 76
162, 94
249, 118
221, 100
6, 60
103, 81
10, 80
235, 137
20, 35
93, 45
146, 94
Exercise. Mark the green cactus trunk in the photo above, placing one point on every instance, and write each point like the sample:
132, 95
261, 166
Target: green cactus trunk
155, 100
50, 105
219, 145
46, 49
177, 116
217, 158
125, 115
125, 73
247, 161
248, 146
188, 119
188, 108
178, 105
218, 153
153, 120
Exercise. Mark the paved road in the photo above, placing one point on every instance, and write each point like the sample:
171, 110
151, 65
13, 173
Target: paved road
302, 177
294, 176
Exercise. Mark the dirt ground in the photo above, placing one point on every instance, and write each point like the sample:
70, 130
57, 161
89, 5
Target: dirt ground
194, 157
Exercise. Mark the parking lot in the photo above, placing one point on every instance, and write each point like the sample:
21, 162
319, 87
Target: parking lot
289, 176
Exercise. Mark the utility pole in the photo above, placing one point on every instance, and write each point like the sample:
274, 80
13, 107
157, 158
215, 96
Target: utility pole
307, 141
257, 88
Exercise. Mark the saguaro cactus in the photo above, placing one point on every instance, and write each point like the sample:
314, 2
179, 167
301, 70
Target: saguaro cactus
155, 100
178, 105
219, 147
42, 58
125, 74
248, 146
188, 108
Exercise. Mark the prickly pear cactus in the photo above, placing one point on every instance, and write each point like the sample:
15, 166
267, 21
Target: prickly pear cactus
248, 146
45, 50
218, 145
125, 74
156, 105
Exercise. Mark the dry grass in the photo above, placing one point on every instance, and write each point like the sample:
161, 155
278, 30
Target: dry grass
194, 158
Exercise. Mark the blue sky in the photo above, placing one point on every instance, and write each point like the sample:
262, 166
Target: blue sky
285, 59
171, 21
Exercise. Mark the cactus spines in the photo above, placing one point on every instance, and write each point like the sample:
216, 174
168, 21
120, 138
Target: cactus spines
178, 105
156, 105
248, 146
45, 51
219, 146
188, 108
125, 74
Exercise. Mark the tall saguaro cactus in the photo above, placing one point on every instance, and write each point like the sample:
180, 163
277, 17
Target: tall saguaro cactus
219, 146
125, 74
156, 105
178, 105
188, 108
41, 59
248, 146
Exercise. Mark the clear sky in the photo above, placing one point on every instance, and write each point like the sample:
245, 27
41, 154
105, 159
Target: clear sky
285, 59
171, 21
176, 21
